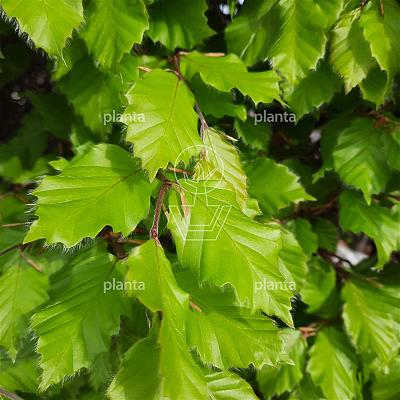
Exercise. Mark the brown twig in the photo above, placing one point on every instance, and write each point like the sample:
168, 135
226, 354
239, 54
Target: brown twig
179, 171
159, 203
203, 123
5, 251
32, 263
144, 69
13, 225
131, 241
9, 395
194, 306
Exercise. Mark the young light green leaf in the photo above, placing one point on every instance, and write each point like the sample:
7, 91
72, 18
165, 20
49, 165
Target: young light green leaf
179, 23
332, 348
221, 162
378, 222
228, 72
183, 378
112, 27
226, 334
372, 318
77, 327
168, 132
276, 381
22, 290
51, 23
208, 225
102, 187
274, 185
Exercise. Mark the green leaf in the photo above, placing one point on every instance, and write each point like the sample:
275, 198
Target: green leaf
274, 185
226, 334
51, 23
276, 381
228, 72
372, 318
21, 374
317, 88
350, 53
112, 27
132, 383
216, 103
375, 87
169, 130
391, 149
11, 212
257, 136
378, 222
20, 154
77, 327
179, 23
183, 377
292, 261
358, 157
386, 385
302, 27
382, 33
320, 292
207, 225
253, 31
304, 234
327, 234
221, 162
306, 390
332, 349
55, 112
92, 93
102, 187
22, 290
148, 264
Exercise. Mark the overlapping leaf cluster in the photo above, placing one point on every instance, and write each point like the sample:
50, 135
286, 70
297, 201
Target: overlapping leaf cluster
175, 245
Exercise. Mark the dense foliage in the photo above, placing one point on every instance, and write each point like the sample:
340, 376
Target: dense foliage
200, 200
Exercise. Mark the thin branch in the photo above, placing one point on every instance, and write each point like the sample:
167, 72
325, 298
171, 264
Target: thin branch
31, 262
144, 69
159, 203
9, 395
203, 123
179, 171
211, 54
132, 241
5, 251
13, 225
